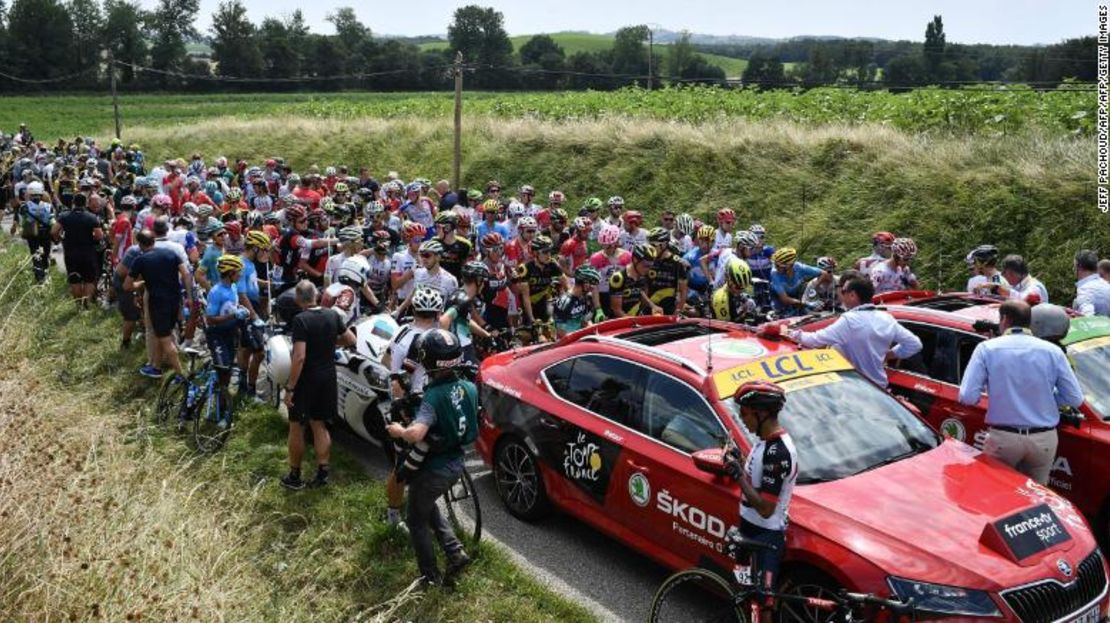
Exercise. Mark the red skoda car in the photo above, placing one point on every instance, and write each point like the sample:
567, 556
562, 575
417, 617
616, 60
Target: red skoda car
608, 425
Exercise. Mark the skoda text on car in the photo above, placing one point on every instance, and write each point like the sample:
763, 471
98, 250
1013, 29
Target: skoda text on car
949, 334
609, 425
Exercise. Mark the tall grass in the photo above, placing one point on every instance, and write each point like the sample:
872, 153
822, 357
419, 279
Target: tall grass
820, 188
104, 519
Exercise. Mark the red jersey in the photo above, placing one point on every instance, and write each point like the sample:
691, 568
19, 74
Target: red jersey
308, 195
576, 250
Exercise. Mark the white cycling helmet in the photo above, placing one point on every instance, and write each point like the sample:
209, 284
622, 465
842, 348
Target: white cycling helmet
516, 209
353, 271
527, 222
34, 188
427, 300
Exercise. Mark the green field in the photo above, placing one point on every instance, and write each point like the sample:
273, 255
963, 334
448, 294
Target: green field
572, 42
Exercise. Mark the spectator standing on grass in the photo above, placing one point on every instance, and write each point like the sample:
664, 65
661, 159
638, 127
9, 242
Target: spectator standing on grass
161, 271
82, 231
1092, 293
1027, 380
310, 394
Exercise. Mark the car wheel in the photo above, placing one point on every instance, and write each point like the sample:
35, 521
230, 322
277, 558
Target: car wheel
807, 582
519, 481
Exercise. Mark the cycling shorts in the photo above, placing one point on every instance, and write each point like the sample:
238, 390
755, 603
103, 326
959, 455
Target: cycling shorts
221, 345
770, 562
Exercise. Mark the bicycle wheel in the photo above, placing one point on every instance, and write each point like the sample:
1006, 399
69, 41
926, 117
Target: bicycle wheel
212, 418
697, 595
171, 399
463, 509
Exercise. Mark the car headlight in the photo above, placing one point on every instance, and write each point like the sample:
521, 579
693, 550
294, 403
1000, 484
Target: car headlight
943, 599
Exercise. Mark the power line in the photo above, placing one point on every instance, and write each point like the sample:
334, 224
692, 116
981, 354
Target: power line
48, 80
241, 80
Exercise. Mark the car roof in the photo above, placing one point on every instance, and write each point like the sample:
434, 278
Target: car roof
1085, 328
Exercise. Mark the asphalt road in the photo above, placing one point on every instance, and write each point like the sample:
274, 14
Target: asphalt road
566, 555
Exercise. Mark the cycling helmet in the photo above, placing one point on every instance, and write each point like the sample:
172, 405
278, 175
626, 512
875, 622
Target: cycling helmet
414, 187
746, 240
474, 195
493, 185
634, 218
427, 299
228, 264
374, 207
583, 223
204, 211
438, 349
760, 395
592, 204
904, 248
516, 209
587, 274
658, 235
162, 201
447, 217
706, 232
527, 190
684, 223
738, 273
556, 196
234, 194
558, 214
413, 231
327, 204
432, 246
982, 254
294, 213
210, 188
609, 235
35, 188
644, 253
464, 221
353, 271
329, 171
234, 229
492, 239
189, 207
258, 240
192, 179
317, 216
527, 222
352, 233
726, 215
341, 187
758, 230
127, 201
1049, 322
826, 263
615, 201
475, 270
541, 243
785, 255
491, 206
882, 237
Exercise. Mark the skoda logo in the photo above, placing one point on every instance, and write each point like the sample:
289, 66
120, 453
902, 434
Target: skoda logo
1064, 567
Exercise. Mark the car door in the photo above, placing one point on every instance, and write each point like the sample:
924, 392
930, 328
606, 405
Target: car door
582, 439
682, 512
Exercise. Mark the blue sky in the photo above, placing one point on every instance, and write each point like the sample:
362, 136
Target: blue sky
965, 21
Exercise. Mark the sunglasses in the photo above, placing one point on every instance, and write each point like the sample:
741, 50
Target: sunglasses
496, 249
427, 255
668, 220
494, 190
527, 231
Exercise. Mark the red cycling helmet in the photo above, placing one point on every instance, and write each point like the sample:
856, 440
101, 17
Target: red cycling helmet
882, 237
760, 395
632, 217
726, 215
294, 213
492, 239
412, 229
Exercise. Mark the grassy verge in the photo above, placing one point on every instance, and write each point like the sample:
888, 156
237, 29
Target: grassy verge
104, 518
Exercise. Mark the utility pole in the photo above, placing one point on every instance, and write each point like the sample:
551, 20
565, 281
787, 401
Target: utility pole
112, 82
650, 54
456, 175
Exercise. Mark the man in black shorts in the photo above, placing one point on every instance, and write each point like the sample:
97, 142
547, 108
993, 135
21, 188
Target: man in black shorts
161, 272
82, 231
128, 307
310, 395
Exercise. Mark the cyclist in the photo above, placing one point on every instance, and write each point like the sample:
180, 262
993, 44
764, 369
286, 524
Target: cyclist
788, 280
207, 272
497, 295
295, 247
224, 316
519, 251
767, 479
463, 315
699, 258
820, 293
758, 258
575, 251
456, 249
350, 245
616, 208
880, 251
252, 297
610, 259
683, 233
538, 282
489, 224
633, 234
628, 286
447, 420
557, 226
589, 209
731, 301
982, 263
405, 261
667, 280
345, 295
726, 219
527, 193
419, 209
895, 273
515, 212
579, 307
378, 277
34, 219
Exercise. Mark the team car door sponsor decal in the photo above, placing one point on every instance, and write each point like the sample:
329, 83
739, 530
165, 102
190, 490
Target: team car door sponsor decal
780, 368
587, 460
693, 523
1031, 531
639, 489
734, 348
954, 428
1063, 508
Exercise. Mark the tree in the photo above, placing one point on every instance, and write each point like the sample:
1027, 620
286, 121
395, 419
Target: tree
764, 71
281, 58
40, 37
171, 24
235, 48
904, 71
479, 33
933, 51
123, 35
629, 51
685, 64
354, 40
546, 58
589, 69
87, 25
820, 68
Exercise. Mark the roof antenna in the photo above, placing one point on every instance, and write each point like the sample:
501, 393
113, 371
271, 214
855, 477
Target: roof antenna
709, 350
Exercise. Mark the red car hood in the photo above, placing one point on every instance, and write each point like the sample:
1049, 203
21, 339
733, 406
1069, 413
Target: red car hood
923, 518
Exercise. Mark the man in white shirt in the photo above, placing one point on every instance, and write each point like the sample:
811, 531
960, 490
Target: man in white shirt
864, 334
1018, 284
1092, 293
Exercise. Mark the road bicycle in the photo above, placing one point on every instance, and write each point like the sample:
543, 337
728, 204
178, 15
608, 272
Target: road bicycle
210, 407
174, 390
701, 595
464, 511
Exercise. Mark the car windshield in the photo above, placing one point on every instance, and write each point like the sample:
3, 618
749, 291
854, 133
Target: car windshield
1091, 363
843, 425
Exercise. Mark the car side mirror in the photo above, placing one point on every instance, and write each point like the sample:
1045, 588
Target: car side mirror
1071, 417
711, 460
909, 405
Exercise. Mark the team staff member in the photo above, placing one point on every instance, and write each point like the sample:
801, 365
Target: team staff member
82, 233
1092, 293
768, 477
310, 395
162, 273
864, 334
1027, 380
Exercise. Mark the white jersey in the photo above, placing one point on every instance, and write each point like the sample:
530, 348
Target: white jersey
975, 285
380, 269
1027, 286
331, 269
404, 261
631, 239
865, 263
772, 468
441, 280
685, 243
398, 352
722, 239
722, 266
886, 278
532, 210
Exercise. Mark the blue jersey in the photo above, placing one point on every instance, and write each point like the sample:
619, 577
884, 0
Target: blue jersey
697, 277
485, 228
208, 262
795, 284
223, 300
248, 281
760, 263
